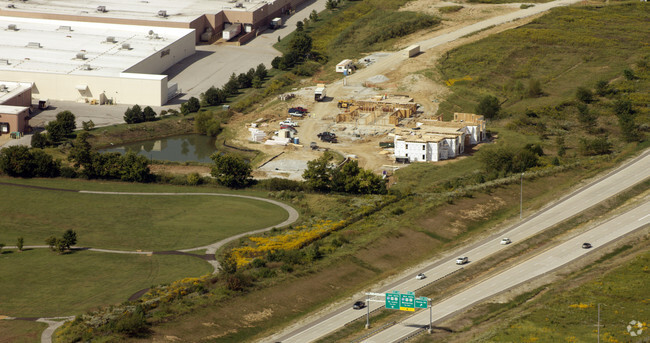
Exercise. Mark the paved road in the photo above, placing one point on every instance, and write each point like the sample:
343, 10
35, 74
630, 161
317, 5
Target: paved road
618, 180
635, 219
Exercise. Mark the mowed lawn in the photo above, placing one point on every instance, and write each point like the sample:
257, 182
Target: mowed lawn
130, 222
41, 283
20, 331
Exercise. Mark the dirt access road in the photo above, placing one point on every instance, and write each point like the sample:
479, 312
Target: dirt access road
397, 74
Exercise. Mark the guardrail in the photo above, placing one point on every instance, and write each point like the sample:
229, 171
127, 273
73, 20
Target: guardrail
440, 278
411, 335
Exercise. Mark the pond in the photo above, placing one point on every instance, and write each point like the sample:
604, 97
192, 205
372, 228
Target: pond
183, 148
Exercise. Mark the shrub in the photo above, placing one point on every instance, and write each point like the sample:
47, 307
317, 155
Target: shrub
596, 146
525, 6
277, 184
488, 106
39, 140
584, 94
629, 74
191, 106
450, 9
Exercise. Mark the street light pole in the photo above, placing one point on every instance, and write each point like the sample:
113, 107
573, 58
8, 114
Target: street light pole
430, 318
521, 197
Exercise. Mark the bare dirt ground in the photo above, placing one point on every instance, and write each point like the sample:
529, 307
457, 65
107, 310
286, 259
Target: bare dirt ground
399, 76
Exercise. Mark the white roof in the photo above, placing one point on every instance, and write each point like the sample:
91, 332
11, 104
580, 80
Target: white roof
177, 11
4, 109
344, 62
59, 47
11, 89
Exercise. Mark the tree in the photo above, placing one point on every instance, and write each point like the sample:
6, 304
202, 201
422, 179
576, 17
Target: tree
134, 115
587, 119
44, 164
232, 86
584, 94
69, 238
148, 114
261, 71
88, 125
231, 170
207, 123
2, 245
20, 161
300, 43
625, 113
67, 121
134, 168
20, 243
81, 153
488, 107
313, 15
192, 105
300, 26
213, 97
318, 174
244, 80
331, 4
39, 140
55, 131
602, 88
51, 242
629, 74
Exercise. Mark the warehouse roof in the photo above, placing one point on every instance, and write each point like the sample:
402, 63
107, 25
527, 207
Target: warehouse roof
78, 48
176, 11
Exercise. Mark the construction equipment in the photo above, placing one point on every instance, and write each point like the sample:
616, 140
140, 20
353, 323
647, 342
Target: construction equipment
344, 104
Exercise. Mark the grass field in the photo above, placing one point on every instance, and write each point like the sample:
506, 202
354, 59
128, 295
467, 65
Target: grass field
129, 221
40, 283
569, 314
19, 331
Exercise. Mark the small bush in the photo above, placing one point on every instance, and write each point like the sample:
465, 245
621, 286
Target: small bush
525, 6
277, 184
584, 94
450, 9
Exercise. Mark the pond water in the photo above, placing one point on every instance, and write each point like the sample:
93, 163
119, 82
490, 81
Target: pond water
183, 148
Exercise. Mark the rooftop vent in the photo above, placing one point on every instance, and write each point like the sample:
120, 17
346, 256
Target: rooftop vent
81, 56
126, 46
239, 5
111, 39
64, 28
33, 45
101, 9
4, 61
11, 6
3, 88
12, 27
162, 13
85, 67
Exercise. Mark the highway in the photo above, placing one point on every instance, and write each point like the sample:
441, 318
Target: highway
616, 181
545, 262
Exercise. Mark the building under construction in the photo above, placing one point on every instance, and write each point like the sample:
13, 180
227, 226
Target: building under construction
380, 110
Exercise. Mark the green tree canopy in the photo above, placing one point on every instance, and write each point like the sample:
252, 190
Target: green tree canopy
231, 170
488, 107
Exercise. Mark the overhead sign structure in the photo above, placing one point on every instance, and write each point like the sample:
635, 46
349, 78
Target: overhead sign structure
407, 302
393, 300
422, 302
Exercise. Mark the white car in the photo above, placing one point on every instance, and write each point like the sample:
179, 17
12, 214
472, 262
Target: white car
289, 122
505, 241
420, 276
462, 260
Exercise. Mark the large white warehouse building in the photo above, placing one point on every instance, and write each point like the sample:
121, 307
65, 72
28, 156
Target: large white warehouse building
85, 61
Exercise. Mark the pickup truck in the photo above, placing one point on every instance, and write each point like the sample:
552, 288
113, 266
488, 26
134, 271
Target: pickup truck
327, 137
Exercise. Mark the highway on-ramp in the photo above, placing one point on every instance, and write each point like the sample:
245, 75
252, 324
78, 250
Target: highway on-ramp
616, 181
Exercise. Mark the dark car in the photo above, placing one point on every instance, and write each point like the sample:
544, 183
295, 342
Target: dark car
298, 109
359, 305
586, 245
327, 137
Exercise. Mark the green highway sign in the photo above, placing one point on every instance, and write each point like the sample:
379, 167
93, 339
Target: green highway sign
392, 300
421, 302
407, 302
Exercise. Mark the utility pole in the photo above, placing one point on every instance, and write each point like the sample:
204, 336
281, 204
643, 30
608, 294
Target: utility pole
430, 318
598, 323
521, 197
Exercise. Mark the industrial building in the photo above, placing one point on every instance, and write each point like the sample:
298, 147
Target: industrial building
207, 18
436, 140
92, 62
15, 102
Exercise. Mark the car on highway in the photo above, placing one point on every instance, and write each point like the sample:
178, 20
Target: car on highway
505, 241
586, 245
359, 305
462, 260
420, 276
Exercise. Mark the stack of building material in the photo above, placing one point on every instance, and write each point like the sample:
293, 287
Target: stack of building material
257, 135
